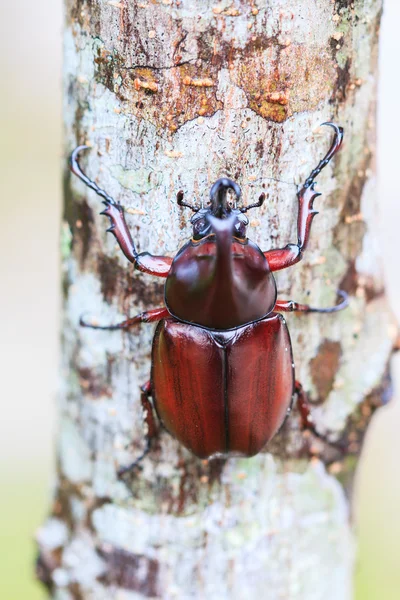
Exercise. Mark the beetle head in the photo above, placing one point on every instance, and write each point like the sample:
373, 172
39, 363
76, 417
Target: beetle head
202, 225
220, 207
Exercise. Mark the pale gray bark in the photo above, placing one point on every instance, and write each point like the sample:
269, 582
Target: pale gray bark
172, 95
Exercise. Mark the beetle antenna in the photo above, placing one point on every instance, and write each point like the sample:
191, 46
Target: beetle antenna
255, 205
337, 142
76, 169
179, 199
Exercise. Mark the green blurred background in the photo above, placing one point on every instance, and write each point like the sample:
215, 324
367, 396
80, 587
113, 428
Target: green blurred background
30, 153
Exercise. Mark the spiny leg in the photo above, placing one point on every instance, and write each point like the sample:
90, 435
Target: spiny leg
152, 429
149, 316
306, 417
154, 265
291, 306
293, 253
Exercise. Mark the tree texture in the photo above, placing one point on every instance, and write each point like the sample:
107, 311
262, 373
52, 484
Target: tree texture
171, 95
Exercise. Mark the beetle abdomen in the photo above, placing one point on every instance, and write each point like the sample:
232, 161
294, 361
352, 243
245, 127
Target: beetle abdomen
223, 392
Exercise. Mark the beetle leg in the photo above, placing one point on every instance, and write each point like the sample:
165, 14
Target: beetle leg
306, 417
149, 316
293, 253
154, 265
291, 306
304, 409
152, 428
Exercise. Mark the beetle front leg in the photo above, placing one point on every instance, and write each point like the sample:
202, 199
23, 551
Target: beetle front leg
149, 316
154, 265
145, 262
291, 306
152, 429
293, 253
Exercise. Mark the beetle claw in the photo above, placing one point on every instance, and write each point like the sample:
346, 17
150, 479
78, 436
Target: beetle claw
76, 169
335, 146
339, 130
122, 471
125, 470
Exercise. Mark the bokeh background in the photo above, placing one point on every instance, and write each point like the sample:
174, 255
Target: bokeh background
30, 202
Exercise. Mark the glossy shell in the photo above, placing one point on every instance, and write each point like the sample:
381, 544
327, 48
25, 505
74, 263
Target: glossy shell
223, 392
220, 288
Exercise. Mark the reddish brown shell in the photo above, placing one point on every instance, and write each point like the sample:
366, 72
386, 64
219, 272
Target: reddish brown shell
220, 283
223, 392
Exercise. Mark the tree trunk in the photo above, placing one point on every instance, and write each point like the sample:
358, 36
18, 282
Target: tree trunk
173, 95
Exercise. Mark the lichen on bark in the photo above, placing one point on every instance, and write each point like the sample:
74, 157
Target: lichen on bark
172, 95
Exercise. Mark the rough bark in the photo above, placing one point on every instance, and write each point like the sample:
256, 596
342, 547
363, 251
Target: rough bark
172, 95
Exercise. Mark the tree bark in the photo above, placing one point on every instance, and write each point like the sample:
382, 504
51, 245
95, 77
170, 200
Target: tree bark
172, 95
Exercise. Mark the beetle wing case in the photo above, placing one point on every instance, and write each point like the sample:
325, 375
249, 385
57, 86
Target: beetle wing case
229, 396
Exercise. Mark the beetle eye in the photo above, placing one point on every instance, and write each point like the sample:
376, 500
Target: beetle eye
200, 228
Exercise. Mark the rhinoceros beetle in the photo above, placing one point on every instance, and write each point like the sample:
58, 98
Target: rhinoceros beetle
222, 375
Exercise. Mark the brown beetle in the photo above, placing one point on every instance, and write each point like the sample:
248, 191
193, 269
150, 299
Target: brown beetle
222, 378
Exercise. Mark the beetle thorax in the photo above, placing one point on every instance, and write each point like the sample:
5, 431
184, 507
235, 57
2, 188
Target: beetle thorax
220, 279
220, 282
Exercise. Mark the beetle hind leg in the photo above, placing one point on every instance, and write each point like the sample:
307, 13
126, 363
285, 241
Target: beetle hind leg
152, 429
307, 419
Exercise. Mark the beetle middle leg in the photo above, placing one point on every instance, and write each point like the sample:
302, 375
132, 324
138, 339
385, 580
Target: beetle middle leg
291, 306
149, 316
152, 429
